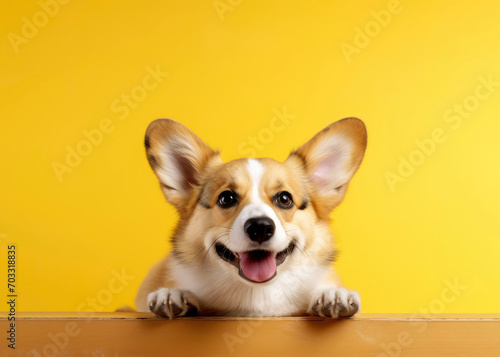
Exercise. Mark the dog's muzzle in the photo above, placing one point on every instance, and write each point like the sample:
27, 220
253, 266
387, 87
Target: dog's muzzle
256, 266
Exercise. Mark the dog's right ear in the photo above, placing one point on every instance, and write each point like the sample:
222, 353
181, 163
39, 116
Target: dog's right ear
330, 159
178, 157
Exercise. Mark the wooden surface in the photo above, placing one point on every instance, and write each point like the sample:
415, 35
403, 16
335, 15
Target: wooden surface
138, 334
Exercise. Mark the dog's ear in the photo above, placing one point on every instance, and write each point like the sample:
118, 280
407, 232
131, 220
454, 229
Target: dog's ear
178, 158
330, 159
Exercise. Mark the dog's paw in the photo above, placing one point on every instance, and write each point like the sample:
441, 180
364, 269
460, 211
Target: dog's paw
166, 302
335, 303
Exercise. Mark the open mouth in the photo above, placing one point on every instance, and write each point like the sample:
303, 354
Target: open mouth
257, 266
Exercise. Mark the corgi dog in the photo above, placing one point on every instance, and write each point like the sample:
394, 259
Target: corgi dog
253, 237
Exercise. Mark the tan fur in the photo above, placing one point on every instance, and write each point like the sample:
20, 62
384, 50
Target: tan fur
158, 277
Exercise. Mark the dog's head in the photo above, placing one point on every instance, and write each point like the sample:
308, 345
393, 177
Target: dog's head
254, 217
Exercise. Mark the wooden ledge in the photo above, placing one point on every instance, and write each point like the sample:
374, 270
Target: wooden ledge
141, 334
69, 315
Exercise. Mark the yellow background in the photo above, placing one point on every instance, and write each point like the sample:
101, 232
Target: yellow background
227, 75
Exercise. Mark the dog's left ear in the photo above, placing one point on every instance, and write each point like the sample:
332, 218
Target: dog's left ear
178, 158
331, 158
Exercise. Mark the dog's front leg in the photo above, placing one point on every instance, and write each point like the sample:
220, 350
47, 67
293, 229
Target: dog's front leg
335, 303
172, 302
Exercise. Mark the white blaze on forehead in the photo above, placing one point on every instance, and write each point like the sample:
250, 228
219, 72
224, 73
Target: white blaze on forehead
256, 207
256, 171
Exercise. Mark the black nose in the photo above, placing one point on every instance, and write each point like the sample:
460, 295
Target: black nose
259, 229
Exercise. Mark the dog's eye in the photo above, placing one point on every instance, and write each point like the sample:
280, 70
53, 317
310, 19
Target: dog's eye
227, 199
284, 200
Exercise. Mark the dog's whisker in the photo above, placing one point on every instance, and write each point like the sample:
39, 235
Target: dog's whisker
210, 247
307, 253
313, 257
200, 250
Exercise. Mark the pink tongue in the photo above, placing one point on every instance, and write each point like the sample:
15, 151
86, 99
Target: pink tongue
258, 270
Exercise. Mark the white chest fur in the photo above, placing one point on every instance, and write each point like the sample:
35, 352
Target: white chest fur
223, 292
